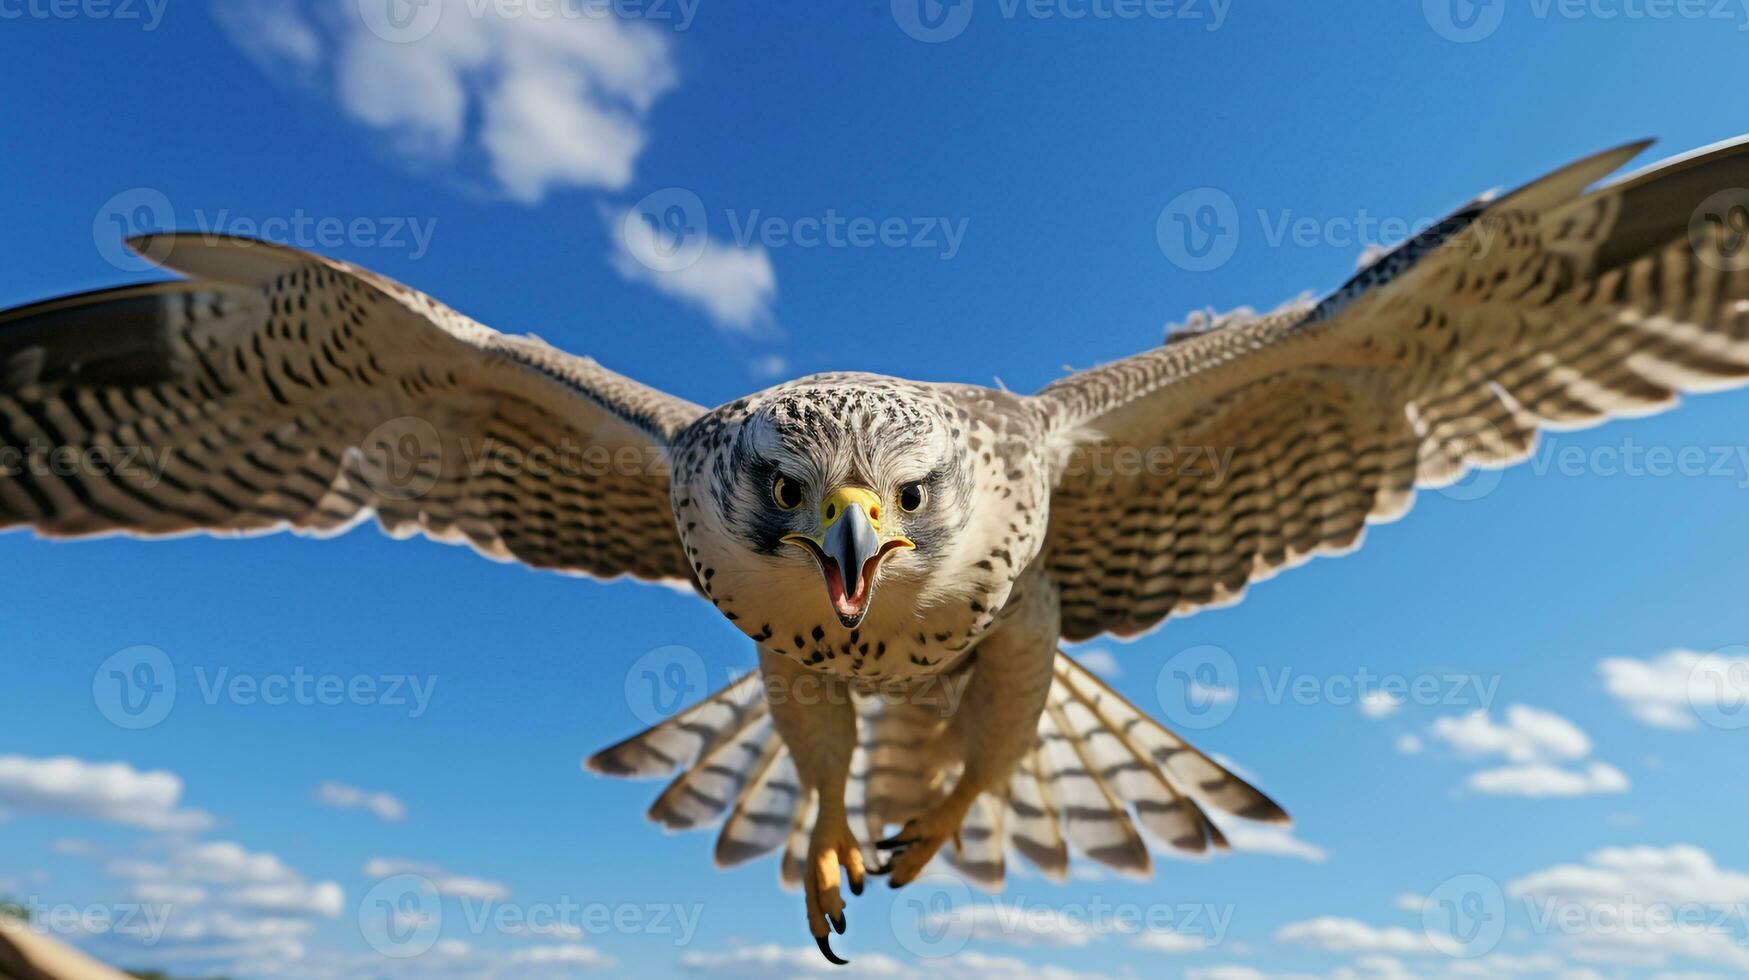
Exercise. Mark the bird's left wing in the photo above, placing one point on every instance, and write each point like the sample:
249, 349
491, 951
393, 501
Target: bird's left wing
1186, 472
277, 389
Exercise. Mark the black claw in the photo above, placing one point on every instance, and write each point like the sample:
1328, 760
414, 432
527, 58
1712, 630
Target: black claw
856, 886
826, 951
837, 920
895, 843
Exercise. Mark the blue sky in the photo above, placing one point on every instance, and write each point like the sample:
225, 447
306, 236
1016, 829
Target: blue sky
1552, 773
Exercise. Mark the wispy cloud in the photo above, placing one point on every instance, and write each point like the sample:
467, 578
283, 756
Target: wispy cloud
541, 103
344, 797
1545, 753
1271, 839
769, 960
735, 286
112, 792
1338, 935
1379, 704
443, 882
1100, 661
1608, 895
1678, 688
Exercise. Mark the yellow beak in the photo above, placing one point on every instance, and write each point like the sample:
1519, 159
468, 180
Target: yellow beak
850, 549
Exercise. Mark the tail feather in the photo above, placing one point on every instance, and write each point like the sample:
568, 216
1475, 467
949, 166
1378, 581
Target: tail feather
795, 851
1096, 821
762, 816
1192, 771
980, 851
664, 748
1099, 768
1033, 826
1133, 774
707, 790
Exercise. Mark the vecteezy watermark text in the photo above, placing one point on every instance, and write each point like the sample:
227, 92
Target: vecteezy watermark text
935, 21
1468, 21
300, 687
147, 13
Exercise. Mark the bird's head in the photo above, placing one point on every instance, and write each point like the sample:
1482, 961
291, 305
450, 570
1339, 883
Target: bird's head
832, 490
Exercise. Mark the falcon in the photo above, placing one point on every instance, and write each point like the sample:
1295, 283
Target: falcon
906, 557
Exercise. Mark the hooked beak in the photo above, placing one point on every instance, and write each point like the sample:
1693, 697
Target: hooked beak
850, 551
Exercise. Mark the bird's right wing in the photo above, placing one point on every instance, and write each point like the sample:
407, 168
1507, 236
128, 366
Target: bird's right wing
1189, 471
278, 389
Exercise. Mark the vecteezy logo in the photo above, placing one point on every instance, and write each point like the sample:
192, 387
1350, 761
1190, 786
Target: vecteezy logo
1718, 688
401, 459
663, 681
666, 231
1199, 229
1199, 687
401, 916
932, 21
401, 21
1465, 916
1464, 21
135, 688
924, 920
133, 212
1718, 230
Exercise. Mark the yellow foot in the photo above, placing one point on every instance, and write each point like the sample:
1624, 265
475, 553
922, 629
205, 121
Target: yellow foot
828, 847
917, 842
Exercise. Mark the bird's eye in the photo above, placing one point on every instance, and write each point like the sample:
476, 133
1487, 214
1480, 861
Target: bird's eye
787, 492
911, 497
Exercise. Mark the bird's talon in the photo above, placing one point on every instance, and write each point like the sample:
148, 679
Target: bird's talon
834, 858
826, 951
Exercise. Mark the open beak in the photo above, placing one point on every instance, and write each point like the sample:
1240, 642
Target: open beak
850, 550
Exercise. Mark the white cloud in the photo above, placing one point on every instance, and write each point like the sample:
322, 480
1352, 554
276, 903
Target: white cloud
111, 792
766, 961
1100, 661
1020, 924
546, 102
1227, 972
1211, 693
1274, 839
768, 366
1170, 942
234, 878
1546, 753
1674, 689
1409, 744
734, 286
1541, 779
1379, 704
344, 797
569, 954
1527, 735
769, 960
1643, 905
1338, 935
445, 883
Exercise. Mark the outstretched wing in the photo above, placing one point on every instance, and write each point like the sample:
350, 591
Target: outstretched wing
1227, 455
277, 389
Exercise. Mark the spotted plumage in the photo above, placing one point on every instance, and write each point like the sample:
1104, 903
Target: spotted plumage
911, 553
